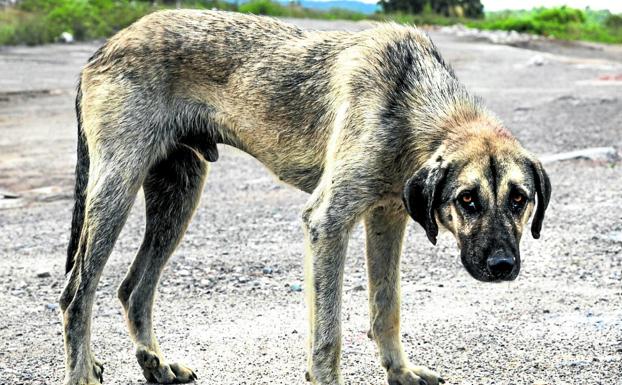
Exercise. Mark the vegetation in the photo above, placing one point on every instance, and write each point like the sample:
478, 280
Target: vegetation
273, 8
562, 23
42, 21
446, 8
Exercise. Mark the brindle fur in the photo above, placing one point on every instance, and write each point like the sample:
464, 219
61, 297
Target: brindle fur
359, 120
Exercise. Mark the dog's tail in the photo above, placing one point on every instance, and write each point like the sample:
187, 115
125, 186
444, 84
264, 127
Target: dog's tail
82, 178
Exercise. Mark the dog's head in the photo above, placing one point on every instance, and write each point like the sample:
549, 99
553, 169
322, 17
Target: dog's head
484, 191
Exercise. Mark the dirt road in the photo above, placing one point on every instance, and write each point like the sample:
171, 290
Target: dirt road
226, 306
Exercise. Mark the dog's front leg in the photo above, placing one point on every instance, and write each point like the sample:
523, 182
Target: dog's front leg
384, 228
327, 221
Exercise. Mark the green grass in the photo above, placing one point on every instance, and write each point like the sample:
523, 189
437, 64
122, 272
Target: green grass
561, 23
38, 21
42, 21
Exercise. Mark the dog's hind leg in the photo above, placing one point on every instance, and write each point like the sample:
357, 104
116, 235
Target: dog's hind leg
113, 183
384, 227
172, 191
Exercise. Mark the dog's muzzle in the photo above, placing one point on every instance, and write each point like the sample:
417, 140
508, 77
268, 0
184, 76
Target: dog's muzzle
500, 265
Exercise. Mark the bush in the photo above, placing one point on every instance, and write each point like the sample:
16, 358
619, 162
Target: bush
42, 21
6, 34
560, 15
79, 17
614, 21
561, 22
263, 7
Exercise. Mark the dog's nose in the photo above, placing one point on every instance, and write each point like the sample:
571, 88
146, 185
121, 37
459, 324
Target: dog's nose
500, 265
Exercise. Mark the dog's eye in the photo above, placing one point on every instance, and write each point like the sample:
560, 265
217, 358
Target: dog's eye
517, 201
468, 201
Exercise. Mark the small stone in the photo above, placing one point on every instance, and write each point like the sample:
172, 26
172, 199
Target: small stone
267, 270
44, 274
536, 61
8, 195
183, 273
243, 279
51, 306
295, 287
359, 288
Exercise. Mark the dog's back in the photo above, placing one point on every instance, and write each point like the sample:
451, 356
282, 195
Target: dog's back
266, 87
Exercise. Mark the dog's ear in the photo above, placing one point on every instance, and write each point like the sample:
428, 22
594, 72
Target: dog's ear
543, 193
421, 197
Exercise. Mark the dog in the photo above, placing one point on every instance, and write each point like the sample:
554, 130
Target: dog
374, 125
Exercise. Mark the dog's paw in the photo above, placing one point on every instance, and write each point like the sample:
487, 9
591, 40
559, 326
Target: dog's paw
413, 375
157, 371
91, 374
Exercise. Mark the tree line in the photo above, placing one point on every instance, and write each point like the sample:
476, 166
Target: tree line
449, 8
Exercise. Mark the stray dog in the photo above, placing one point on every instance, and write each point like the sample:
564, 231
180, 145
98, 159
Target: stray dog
374, 125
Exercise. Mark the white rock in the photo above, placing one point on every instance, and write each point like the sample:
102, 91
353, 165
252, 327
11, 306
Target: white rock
606, 154
66, 37
536, 61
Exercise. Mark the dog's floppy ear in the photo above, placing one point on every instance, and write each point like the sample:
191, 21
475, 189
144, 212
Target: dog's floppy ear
421, 197
543, 193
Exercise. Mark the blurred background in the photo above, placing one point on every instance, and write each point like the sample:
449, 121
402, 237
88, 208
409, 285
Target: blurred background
45, 21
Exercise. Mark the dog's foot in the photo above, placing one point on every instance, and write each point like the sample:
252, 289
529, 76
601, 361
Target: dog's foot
158, 371
413, 375
91, 374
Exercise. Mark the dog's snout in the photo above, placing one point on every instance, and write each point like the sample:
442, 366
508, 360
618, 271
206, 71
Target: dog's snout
500, 265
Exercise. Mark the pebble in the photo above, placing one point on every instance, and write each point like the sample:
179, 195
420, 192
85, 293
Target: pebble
536, 61
8, 195
243, 279
44, 274
359, 288
615, 236
295, 287
51, 306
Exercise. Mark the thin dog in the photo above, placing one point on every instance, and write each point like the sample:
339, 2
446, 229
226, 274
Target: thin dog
374, 125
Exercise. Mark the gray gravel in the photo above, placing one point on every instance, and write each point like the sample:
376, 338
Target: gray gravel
229, 305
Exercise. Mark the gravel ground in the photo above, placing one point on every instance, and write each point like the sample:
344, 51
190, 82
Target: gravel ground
228, 305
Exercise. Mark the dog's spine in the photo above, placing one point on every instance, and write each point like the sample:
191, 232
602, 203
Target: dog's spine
82, 177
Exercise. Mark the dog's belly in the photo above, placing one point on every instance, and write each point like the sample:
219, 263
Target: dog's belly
296, 160
302, 176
